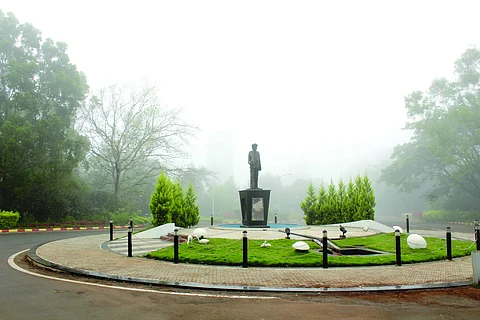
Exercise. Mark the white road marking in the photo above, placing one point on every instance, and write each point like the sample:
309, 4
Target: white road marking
12, 264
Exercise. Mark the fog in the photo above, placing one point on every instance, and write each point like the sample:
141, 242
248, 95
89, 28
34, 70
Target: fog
319, 86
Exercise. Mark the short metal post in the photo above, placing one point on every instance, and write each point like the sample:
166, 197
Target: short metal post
475, 222
407, 222
131, 223
245, 249
449, 243
287, 231
175, 247
397, 248
477, 235
111, 230
211, 219
130, 230
325, 249
275, 218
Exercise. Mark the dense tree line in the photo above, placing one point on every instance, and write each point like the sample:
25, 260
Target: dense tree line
339, 203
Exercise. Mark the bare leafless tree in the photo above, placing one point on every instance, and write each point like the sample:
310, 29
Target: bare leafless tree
132, 136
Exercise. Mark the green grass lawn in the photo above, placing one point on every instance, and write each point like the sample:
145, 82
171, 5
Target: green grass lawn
281, 254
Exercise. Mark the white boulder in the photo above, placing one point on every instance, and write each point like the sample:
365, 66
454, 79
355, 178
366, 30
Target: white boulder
301, 246
416, 241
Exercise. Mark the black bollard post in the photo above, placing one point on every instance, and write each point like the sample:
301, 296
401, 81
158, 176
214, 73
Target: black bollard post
111, 230
130, 230
245, 249
175, 247
407, 222
211, 219
275, 218
325, 251
477, 235
131, 223
397, 248
449, 243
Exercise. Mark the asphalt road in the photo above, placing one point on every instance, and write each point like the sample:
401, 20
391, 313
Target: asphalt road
24, 296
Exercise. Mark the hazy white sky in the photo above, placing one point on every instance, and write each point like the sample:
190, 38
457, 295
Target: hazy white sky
319, 85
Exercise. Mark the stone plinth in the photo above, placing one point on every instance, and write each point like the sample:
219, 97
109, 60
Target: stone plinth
254, 204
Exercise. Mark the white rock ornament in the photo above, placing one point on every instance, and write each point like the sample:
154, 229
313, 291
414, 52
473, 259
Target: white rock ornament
301, 246
416, 241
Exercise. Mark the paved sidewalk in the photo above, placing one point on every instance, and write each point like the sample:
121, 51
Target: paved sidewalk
85, 255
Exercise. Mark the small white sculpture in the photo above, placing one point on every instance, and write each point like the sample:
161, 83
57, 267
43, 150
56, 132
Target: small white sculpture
416, 241
203, 241
265, 244
365, 229
301, 246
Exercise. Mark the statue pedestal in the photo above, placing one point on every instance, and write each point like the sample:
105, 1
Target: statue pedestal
254, 204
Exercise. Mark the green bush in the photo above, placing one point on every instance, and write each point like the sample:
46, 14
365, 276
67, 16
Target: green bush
8, 219
451, 216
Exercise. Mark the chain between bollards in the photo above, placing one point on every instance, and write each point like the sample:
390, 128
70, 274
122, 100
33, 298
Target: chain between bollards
175, 247
397, 248
245, 249
448, 236
130, 230
111, 230
325, 249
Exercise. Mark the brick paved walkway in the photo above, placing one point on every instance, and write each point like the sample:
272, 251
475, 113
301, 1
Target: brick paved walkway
85, 253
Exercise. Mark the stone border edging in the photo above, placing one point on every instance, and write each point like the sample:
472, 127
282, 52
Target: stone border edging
32, 256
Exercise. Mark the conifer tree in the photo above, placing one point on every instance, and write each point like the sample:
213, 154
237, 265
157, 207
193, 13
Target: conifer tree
320, 206
161, 201
359, 211
331, 204
308, 205
342, 201
369, 198
351, 201
190, 207
178, 216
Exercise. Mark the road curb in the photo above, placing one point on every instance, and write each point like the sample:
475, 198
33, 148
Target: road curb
64, 229
39, 261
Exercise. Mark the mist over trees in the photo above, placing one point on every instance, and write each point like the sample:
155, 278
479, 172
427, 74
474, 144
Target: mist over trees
64, 158
132, 138
444, 150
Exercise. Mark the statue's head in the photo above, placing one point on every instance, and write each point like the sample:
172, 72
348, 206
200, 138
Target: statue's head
254, 146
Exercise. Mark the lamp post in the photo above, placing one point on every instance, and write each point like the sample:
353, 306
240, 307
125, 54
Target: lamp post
175, 246
325, 249
448, 237
111, 229
397, 248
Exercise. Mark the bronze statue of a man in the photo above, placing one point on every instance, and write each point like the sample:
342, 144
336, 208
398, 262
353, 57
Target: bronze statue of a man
255, 166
